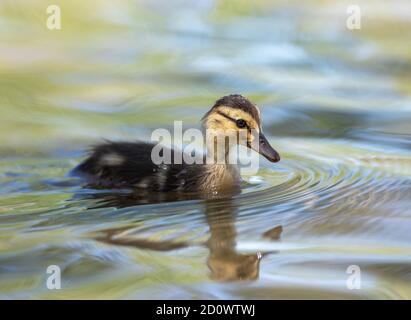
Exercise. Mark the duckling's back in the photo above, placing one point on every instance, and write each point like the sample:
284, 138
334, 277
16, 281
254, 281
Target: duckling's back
129, 164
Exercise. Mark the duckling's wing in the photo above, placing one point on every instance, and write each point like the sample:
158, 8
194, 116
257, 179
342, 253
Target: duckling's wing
127, 164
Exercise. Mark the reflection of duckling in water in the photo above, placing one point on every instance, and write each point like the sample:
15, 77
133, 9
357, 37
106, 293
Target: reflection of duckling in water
224, 261
128, 164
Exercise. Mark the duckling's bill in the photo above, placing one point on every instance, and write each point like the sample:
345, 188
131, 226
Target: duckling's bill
265, 149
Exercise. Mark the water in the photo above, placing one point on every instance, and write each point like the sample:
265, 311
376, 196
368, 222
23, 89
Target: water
335, 104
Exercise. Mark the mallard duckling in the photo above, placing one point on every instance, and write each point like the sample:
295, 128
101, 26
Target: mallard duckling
130, 165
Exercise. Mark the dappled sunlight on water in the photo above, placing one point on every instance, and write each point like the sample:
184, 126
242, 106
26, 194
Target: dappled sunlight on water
335, 103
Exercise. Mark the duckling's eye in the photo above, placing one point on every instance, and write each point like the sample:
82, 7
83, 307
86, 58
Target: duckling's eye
241, 123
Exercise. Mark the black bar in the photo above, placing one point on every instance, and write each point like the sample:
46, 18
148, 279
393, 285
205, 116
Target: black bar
204, 309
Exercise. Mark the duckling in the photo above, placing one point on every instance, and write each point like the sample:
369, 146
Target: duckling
130, 164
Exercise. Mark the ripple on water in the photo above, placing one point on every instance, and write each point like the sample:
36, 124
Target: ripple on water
341, 173
328, 186
326, 199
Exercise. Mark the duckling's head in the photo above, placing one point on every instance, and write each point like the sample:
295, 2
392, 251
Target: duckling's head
234, 114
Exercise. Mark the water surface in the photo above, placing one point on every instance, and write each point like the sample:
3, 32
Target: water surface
335, 103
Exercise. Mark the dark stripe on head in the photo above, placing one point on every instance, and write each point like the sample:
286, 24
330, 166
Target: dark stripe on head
226, 116
231, 119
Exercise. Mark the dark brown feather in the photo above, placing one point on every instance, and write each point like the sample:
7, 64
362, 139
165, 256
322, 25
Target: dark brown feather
136, 167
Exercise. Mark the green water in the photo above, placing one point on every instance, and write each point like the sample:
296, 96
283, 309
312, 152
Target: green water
336, 104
